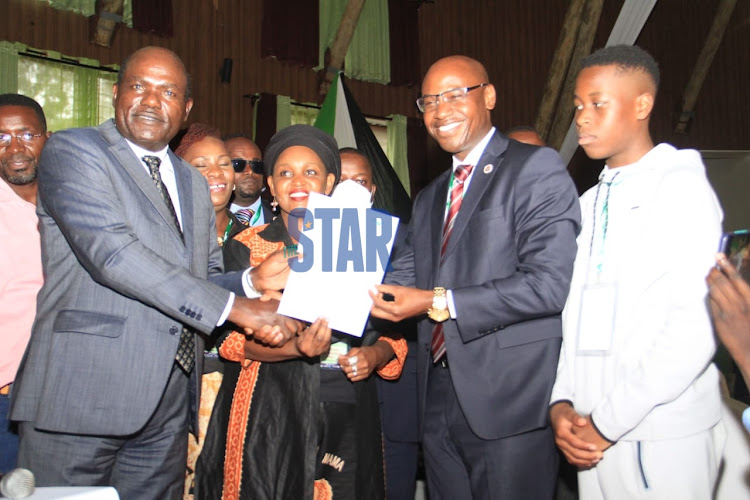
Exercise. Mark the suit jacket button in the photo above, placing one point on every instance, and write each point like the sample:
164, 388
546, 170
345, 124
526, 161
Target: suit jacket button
198, 317
187, 312
173, 330
192, 314
182, 309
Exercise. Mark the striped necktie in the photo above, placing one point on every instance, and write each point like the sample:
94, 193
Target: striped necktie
245, 215
437, 346
185, 355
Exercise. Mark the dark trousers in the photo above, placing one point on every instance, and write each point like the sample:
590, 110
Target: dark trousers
460, 465
149, 464
400, 469
8, 437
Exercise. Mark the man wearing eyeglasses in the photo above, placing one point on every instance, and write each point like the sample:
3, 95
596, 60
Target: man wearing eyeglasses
23, 132
248, 205
486, 266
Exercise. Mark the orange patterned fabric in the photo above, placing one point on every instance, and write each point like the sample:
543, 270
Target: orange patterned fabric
393, 369
260, 249
323, 490
210, 383
241, 400
233, 349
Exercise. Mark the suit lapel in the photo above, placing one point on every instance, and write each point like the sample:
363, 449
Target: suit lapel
437, 219
136, 169
185, 188
484, 171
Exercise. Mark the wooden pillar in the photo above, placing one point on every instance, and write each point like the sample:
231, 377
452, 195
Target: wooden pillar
103, 24
337, 51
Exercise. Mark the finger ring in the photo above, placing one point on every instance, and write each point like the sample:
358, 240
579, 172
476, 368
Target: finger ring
353, 360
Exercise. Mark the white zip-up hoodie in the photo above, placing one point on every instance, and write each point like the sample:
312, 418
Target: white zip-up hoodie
663, 229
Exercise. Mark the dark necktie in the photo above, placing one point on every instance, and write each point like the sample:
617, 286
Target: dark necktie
245, 215
185, 356
437, 346
153, 163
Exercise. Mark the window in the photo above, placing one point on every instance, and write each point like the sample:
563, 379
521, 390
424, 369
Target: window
307, 113
72, 93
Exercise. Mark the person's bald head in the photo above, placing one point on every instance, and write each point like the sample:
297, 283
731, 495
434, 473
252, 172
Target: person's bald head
457, 99
458, 64
527, 135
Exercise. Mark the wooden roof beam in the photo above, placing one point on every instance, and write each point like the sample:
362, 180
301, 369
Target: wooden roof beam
703, 64
589, 23
559, 67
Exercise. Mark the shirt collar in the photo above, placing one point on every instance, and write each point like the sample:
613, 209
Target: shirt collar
140, 152
476, 153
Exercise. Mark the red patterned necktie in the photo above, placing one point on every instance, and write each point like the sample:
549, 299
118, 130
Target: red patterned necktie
437, 346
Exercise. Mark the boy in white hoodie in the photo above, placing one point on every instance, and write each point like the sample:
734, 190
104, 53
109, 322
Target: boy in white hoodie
636, 403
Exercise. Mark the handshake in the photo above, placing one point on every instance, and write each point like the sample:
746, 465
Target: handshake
257, 317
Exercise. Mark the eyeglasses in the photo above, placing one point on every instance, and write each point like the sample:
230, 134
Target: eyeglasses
26, 137
430, 102
239, 165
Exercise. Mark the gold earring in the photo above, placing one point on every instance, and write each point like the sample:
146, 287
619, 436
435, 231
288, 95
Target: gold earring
274, 203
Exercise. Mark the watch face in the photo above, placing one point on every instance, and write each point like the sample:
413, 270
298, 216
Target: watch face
438, 315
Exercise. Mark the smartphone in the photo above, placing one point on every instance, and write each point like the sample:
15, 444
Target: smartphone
736, 246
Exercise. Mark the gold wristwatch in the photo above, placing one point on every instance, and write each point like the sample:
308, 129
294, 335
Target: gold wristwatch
439, 310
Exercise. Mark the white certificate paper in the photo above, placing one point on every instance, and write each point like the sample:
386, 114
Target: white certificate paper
345, 248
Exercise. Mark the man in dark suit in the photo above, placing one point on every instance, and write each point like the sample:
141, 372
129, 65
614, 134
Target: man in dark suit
488, 259
248, 204
132, 268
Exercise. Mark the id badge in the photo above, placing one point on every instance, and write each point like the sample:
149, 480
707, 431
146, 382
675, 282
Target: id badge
596, 319
331, 362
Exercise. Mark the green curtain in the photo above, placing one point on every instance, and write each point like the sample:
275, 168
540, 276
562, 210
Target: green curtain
127, 13
292, 114
305, 115
397, 149
85, 7
283, 112
369, 54
71, 96
8, 67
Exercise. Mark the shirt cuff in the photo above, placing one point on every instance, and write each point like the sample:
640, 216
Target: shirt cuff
227, 310
746, 419
451, 305
247, 285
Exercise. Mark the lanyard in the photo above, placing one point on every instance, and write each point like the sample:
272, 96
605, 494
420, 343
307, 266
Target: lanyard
450, 190
223, 239
605, 222
256, 216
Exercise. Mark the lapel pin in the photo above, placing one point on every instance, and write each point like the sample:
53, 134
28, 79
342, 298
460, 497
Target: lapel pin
487, 168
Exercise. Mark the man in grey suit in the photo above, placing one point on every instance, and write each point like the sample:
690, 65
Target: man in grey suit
132, 269
487, 266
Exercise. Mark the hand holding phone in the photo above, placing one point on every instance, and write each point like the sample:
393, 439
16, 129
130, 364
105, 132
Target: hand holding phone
736, 246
